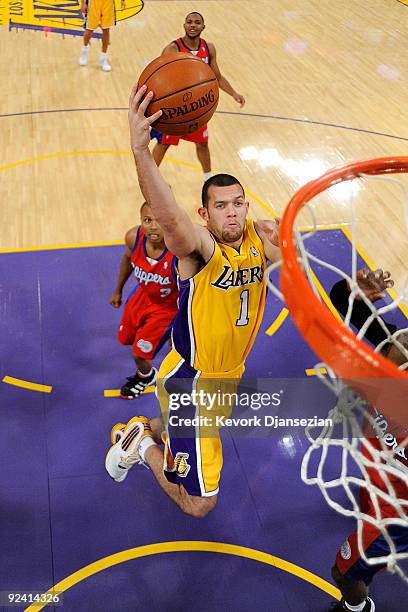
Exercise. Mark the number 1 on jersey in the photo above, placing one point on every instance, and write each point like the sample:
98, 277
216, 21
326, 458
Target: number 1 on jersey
243, 315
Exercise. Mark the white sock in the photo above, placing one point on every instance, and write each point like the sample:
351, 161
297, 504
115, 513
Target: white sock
207, 175
358, 608
103, 55
139, 373
145, 443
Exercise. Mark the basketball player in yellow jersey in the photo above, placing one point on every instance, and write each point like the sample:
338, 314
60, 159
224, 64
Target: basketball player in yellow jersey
222, 296
98, 13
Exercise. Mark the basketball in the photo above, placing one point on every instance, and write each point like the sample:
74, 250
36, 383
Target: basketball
186, 90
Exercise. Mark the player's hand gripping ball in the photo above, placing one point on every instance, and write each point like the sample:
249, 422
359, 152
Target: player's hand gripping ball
186, 90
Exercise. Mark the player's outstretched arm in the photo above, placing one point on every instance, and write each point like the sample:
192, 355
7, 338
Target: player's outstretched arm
222, 81
181, 235
374, 283
125, 268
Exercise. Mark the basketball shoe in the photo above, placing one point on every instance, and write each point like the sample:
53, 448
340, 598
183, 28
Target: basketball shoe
104, 64
341, 606
83, 58
136, 385
124, 452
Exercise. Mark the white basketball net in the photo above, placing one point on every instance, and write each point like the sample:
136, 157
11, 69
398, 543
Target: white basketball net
340, 446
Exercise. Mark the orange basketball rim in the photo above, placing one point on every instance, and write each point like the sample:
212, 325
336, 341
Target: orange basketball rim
373, 376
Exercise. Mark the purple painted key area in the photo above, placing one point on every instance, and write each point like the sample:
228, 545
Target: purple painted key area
61, 512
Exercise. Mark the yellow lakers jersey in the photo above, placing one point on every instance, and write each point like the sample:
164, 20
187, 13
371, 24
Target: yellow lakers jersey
221, 307
100, 13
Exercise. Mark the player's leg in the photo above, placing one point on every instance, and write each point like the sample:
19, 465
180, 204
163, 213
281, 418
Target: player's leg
193, 451
105, 39
107, 19
352, 574
158, 152
163, 143
143, 366
87, 37
103, 58
192, 505
90, 24
134, 443
204, 157
200, 138
354, 592
144, 377
156, 423
84, 55
151, 328
133, 320
191, 469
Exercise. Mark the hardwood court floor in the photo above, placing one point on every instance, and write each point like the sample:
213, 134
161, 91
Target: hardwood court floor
324, 82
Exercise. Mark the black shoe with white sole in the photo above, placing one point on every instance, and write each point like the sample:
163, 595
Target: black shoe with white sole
341, 607
136, 385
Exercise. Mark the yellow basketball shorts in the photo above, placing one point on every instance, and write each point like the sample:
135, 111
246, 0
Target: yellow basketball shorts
191, 404
100, 13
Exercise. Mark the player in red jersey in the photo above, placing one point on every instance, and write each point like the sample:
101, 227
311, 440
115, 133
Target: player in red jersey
150, 309
192, 43
351, 572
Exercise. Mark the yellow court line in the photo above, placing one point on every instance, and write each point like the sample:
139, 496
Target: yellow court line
116, 392
277, 322
318, 228
325, 297
26, 384
111, 392
184, 546
313, 371
268, 209
79, 245
30, 160
87, 245
110, 152
22, 162
172, 160
370, 264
